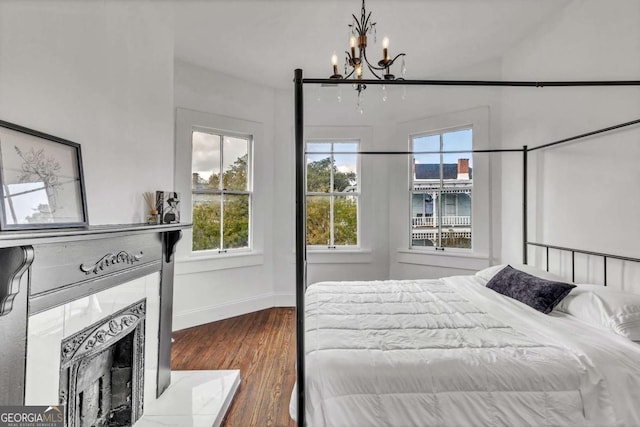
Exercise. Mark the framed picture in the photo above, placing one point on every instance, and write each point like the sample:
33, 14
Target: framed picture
41, 180
168, 206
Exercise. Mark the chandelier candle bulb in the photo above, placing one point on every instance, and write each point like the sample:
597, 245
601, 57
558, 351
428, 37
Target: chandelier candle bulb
385, 48
334, 62
352, 43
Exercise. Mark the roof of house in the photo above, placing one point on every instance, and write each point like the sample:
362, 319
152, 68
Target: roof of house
432, 171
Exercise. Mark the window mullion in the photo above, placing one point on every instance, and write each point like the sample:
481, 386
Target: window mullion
331, 200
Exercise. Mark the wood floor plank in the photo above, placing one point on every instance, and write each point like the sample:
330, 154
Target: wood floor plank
262, 346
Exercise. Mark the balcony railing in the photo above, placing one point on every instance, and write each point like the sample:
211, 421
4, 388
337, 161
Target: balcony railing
446, 221
433, 235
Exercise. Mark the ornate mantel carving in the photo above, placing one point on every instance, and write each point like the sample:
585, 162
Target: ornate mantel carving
94, 336
111, 259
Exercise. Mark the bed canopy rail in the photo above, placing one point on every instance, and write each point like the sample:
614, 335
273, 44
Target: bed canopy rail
300, 246
585, 135
494, 83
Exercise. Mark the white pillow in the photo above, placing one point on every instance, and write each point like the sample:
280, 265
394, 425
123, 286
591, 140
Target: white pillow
606, 308
489, 272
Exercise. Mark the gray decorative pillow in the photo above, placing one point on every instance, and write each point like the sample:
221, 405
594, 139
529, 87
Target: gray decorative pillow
538, 293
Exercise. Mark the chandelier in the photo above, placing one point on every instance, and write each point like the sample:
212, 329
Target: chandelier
356, 61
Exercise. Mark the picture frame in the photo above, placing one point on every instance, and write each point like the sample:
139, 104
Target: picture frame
168, 207
41, 180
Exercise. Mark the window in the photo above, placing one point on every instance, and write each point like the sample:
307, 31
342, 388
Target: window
332, 193
221, 191
441, 189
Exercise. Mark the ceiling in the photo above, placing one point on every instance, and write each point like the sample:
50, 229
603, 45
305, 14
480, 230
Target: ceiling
263, 41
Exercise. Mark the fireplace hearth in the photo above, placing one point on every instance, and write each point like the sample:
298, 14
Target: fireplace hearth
102, 370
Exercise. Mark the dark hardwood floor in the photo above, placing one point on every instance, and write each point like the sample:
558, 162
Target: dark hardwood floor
262, 346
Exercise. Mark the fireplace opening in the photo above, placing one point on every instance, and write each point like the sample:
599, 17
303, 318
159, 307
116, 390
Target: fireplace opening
102, 374
104, 386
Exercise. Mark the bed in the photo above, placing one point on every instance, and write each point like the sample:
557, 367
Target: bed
454, 352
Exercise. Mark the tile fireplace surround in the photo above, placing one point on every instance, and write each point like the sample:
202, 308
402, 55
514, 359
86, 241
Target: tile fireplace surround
62, 286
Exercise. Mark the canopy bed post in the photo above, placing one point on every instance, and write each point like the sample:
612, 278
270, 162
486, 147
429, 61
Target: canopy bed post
301, 248
524, 204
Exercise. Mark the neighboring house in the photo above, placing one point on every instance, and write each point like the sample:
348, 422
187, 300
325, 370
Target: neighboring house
452, 216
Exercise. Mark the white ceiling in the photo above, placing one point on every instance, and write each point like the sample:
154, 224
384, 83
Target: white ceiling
265, 40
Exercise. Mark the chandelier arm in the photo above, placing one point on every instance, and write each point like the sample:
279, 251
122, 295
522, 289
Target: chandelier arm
349, 57
396, 57
350, 74
364, 55
372, 70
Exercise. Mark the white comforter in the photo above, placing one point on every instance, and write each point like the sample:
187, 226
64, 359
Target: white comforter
451, 352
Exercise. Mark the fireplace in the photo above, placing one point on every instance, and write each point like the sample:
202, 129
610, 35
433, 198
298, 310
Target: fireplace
102, 370
55, 286
85, 318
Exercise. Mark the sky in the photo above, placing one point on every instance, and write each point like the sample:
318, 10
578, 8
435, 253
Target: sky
206, 153
344, 162
452, 141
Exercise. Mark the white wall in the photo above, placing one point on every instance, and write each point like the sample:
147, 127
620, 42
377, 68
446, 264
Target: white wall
214, 287
583, 195
99, 74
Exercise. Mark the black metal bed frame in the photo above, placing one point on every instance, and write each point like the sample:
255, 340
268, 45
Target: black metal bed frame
300, 227
574, 251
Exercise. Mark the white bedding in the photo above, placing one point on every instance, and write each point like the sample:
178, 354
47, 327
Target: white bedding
451, 352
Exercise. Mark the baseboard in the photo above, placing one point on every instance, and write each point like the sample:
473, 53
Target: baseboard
284, 300
199, 316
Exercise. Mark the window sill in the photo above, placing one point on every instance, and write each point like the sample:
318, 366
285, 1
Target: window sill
339, 256
213, 262
458, 260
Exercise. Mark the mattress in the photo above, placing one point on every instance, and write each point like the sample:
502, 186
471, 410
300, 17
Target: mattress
451, 352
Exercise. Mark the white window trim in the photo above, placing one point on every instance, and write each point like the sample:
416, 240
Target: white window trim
186, 122
201, 263
347, 254
448, 259
478, 120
